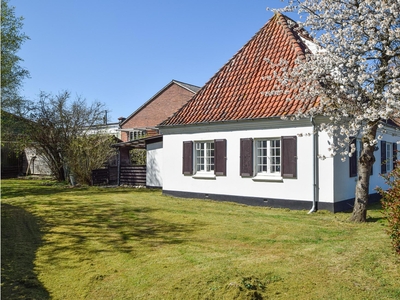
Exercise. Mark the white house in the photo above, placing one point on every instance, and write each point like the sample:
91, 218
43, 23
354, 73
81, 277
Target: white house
230, 143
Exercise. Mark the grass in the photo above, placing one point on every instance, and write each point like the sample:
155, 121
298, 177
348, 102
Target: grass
123, 243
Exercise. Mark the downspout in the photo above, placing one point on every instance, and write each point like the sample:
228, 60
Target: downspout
314, 207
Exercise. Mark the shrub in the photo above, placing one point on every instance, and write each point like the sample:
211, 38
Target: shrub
86, 153
138, 156
391, 206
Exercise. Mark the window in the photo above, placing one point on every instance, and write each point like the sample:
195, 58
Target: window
204, 157
136, 134
388, 156
268, 156
354, 157
271, 157
353, 160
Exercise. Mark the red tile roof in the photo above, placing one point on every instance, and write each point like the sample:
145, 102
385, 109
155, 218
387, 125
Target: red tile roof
235, 92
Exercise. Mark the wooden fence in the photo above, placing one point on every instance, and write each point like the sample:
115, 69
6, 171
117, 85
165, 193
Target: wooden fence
129, 175
133, 175
9, 171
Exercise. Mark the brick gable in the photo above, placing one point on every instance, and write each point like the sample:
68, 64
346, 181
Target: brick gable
159, 107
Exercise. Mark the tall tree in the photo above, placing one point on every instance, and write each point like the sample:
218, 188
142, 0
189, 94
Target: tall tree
354, 71
59, 124
12, 74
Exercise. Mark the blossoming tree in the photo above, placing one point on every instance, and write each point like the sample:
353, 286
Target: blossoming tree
353, 71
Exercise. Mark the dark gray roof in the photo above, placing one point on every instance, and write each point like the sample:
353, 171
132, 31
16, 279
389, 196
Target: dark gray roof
193, 88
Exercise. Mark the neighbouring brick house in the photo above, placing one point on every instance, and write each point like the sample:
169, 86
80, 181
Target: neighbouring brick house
162, 105
139, 131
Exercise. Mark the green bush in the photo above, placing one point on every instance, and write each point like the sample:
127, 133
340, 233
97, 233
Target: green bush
138, 156
391, 206
87, 153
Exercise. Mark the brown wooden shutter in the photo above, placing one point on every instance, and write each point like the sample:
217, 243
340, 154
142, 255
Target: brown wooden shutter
394, 155
383, 157
289, 157
246, 157
187, 165
220, 157
353, 159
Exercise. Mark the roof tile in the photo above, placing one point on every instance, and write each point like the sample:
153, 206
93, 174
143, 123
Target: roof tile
235, 91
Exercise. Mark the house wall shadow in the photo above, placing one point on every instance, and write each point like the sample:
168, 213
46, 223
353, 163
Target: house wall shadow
20, 238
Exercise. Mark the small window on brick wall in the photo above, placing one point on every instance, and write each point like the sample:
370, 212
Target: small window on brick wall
136, 134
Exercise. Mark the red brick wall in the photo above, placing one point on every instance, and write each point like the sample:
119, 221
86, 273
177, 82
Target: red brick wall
159, 109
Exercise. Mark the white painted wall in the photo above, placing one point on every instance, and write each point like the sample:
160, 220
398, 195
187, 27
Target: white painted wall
300, 188
35, 163
334, 182
154, 164
325, 170
345, 185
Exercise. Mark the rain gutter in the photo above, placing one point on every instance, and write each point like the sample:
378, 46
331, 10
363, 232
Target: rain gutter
314, 207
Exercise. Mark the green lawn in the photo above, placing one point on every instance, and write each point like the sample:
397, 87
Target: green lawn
124, 243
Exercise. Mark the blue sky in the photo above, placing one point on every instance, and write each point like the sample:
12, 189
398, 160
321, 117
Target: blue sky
122, 52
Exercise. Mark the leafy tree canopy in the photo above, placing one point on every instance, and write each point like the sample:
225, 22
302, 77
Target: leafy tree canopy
12, 74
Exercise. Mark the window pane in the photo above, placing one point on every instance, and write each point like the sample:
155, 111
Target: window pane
205, 156
389, 156
268, 156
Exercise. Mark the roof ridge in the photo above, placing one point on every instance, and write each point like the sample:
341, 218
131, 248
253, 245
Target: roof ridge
235, 91
292, 34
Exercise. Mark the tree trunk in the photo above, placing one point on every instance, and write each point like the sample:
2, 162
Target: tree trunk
364, 166
60, 175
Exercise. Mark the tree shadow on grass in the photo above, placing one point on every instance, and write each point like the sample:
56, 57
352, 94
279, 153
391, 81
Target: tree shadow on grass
374, 212
113, 228
47, 188
20, 239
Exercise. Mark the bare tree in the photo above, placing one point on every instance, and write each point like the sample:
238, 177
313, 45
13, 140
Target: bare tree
57, 125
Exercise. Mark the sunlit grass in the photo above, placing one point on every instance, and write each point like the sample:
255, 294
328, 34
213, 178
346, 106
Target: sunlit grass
123, 243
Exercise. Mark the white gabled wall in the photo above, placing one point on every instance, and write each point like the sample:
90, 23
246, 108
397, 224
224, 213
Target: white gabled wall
154, 157
334, 181
300, 188
325, 169
345, 185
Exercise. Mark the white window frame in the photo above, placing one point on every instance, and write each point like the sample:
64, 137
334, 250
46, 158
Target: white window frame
136, 134
398, 152
267, 163
204, 157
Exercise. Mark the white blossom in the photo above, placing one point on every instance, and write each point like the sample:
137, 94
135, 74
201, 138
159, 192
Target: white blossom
353, 66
